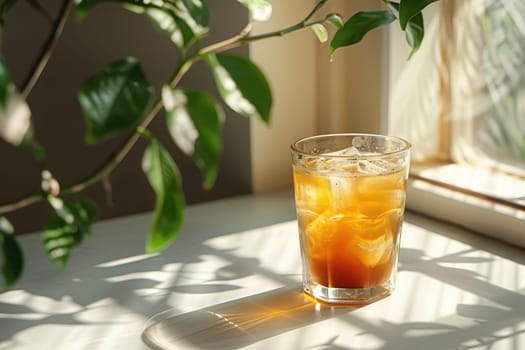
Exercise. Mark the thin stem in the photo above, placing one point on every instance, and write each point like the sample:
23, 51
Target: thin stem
228, 44
303, 24
243, 38
21, 203
117, 158
315, 9
47, 49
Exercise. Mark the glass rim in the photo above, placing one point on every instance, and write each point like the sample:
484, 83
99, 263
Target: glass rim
406, 145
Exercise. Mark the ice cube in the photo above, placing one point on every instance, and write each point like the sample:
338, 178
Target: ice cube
375, 166
374, 251
345, 152
341, 188
341, 161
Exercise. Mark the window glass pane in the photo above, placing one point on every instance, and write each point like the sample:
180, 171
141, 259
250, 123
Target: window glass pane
500, 132
460, 101
486, 90
461, 98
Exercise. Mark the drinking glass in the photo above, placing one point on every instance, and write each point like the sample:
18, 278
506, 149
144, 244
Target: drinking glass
350, 192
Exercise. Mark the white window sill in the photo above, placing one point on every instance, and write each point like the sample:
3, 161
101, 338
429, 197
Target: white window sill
480, 206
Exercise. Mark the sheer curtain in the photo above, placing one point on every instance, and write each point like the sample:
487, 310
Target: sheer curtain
414, 103
487, 97
461, 102
461, 98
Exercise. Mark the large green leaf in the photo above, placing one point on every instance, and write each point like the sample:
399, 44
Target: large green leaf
182, 20
164, 178
195, 13
115, 99
168, 22
195, 122
410, 8
70, 223
358, 26
414, 32
13, 263
242, 85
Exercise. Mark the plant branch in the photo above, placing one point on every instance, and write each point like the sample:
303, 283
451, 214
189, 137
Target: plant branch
30, 81
107, 168
21, 203
242, 38
117, 158
47, 49
229, 43
298, 26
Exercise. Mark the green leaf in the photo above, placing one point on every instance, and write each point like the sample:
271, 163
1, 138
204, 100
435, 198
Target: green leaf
164, 177
415, 32
242, 85
335, 20
69, 224
13, 263
195, 122
320, 32
15, 115
260, 10
358, 26
184, 21
82, 7
410, 8
195, 13
15, 119
168, 22
5, 84
5, 6
393, 7
115, 99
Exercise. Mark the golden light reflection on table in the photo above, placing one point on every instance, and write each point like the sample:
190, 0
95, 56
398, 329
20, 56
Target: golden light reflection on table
237, 323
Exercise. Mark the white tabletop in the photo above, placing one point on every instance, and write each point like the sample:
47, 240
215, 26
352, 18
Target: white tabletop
232, 280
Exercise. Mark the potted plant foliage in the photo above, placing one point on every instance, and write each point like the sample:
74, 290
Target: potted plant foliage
120, 99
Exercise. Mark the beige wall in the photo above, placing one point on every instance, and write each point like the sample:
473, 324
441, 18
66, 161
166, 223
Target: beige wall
312, 95
290, 64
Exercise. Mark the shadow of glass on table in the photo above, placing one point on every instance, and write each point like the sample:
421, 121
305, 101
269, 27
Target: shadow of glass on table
237, 323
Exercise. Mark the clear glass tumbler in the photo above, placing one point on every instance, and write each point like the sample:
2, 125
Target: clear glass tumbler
350, 192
